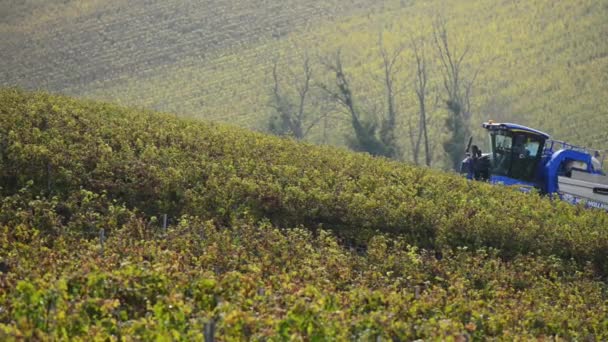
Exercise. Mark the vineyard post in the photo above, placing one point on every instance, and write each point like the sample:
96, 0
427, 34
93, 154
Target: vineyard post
48, 177
102, 239
210, 331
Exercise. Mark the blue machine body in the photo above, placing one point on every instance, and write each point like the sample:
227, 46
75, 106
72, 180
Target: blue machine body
528, 159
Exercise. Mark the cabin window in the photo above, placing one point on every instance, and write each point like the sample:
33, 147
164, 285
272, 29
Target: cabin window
515, 154
532, 148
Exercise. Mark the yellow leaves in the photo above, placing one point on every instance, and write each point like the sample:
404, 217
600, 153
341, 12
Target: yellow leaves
108, 305
470, 327
254, 268
23, 232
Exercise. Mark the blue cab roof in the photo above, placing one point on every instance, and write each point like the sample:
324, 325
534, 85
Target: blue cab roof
512, 127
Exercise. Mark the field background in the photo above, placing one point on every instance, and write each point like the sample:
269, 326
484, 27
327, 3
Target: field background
541, 63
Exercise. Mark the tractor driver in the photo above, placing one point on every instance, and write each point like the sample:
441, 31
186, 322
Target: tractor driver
473, 160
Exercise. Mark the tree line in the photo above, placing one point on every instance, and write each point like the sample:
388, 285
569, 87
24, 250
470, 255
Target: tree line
300, 101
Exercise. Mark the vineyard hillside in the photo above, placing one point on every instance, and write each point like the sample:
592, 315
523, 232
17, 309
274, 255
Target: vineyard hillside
541, 63
118, 223
71, 46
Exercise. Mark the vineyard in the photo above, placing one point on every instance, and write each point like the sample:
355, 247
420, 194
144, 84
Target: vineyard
121, 223
110, 41
539, 63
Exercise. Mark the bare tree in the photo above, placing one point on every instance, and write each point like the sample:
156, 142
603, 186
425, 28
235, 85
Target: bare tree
389, 122
415, 138
366, 139
293, 118
458, 89
421, 88
280, 122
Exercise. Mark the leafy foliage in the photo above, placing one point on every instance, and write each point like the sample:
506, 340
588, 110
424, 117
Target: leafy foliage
157, 164
258, 282
433, 256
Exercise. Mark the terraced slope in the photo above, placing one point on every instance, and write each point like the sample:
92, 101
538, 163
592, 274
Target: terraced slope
84, 254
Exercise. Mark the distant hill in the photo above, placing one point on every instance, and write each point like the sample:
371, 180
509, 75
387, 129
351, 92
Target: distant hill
541, 63
60, 45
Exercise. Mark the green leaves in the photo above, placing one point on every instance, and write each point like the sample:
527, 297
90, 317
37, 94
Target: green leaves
380, 249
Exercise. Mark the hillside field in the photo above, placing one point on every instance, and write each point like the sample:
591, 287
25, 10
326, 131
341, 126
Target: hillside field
540, 62
270, 239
